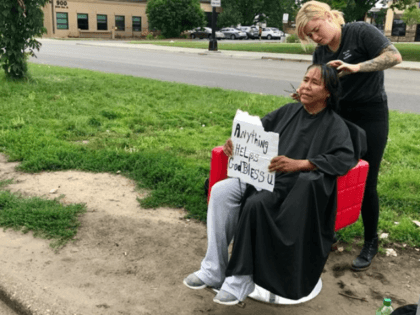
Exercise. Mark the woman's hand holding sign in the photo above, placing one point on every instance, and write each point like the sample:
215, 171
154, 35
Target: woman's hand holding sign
283, 164
228, 147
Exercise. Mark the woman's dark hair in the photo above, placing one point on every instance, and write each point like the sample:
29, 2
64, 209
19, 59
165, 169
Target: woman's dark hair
329, 75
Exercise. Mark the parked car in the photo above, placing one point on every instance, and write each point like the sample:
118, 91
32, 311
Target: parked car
271, 33
205, 32
233, 33
251, 31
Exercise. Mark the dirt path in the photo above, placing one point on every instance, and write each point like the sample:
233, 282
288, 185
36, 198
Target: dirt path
128, 260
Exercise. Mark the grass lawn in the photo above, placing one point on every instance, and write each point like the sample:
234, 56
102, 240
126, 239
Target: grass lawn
409, 52
161, 134
46, 218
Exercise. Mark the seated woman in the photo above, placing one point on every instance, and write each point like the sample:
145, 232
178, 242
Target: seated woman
283, 238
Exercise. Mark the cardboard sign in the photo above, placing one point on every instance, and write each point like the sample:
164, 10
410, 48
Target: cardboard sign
253, 149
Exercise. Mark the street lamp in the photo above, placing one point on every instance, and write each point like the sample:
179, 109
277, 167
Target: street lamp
213, 39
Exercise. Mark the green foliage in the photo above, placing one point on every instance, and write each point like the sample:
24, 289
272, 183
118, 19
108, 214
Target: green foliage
162, 134
230, 16
244, 11
292, 39
402, 4
160, 37
411, 16
379, 17
173, 17
18, 27
353, 10
149, 36
46, 218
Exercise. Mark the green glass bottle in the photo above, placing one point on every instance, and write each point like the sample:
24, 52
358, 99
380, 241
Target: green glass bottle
386, 308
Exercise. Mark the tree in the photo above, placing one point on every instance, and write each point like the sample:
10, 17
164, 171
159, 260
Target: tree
244, 11
20, 22
354, 10
230, 15
173, 17
411, 16
402, 4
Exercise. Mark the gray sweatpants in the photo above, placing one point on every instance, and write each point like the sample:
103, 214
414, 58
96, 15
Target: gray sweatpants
222, 219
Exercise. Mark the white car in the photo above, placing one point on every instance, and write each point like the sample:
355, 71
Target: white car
205, 32
233, 33
271, 33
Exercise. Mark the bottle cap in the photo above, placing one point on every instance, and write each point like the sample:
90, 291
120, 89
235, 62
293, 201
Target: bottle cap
387, 302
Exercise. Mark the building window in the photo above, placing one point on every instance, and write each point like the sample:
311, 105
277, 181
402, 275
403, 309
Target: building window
82, 21
102, 22
398, 28
120, 22
136, 24
62, 21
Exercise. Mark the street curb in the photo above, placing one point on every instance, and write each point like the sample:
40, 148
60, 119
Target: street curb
286, 59
14, 302
25, 298
405, 68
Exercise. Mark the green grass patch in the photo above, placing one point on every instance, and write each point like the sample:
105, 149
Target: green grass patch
409, 52
161, 134
45, 218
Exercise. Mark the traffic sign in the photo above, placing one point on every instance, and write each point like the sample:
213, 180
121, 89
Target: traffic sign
215, 3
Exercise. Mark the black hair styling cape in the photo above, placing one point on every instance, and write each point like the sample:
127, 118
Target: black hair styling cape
284, 237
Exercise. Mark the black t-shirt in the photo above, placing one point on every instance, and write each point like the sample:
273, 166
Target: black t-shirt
360, 42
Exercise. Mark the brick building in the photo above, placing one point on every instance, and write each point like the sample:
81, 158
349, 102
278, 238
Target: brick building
99, 18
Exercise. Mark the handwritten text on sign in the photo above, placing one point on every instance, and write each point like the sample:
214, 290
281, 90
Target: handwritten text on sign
253, 149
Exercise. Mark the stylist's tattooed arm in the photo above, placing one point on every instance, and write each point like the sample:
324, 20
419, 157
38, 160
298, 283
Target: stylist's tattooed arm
388, 58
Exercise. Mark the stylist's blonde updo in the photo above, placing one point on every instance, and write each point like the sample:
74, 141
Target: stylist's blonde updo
315, 10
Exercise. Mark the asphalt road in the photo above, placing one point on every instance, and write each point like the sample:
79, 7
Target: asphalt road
213, 70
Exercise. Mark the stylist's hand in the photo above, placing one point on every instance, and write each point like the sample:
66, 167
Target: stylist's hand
295, 96
228, 147
283, 164
344, 68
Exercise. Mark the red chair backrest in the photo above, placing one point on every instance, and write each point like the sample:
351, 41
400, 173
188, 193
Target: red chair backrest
350, 187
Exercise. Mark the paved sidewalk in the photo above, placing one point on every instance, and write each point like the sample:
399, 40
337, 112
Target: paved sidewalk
405, 65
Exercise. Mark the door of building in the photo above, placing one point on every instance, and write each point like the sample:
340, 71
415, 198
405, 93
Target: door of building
418, 33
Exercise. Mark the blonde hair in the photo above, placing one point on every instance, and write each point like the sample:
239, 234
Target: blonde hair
313, 10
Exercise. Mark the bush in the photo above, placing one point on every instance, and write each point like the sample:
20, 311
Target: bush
292, 39
149, 36
174, 17
160, 37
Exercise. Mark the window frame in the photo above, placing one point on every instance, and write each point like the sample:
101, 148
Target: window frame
393, 33
58, 18
101, 23
116, 23
134, 26
80, 19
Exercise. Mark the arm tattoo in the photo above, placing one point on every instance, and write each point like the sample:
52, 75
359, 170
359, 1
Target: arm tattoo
387, 58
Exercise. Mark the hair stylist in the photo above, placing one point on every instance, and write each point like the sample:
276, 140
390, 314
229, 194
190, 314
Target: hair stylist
361, 53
